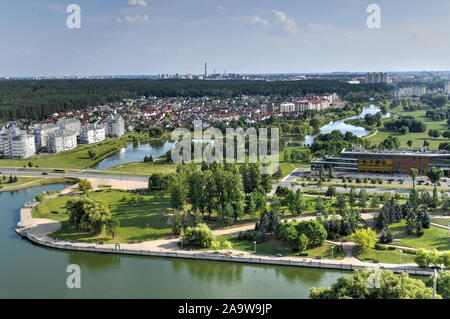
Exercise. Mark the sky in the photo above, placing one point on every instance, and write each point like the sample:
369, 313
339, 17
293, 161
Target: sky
134, 37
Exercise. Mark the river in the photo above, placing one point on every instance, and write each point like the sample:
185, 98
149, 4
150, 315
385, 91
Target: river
137, 151
30, 271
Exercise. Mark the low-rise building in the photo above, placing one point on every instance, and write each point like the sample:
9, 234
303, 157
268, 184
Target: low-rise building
15, 143
114, 126
92, 133
381, 161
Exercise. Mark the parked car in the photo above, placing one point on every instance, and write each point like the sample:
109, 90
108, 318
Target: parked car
44, 173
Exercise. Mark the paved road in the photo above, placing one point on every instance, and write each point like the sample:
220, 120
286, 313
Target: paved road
77, 174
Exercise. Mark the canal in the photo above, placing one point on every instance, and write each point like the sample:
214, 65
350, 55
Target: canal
30, 271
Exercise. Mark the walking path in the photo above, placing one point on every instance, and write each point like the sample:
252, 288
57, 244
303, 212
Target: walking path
38, 231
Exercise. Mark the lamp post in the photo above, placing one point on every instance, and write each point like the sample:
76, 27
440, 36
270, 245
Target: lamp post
435, 283
148, 238
332, 250
254, 243
181, 241
401, 252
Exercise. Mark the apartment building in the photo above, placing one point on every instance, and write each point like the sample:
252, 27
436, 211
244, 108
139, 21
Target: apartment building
380, 77
69, 124
92, 133
41, 132
15, 143
61, 140
114, 126
447, 88
410, 91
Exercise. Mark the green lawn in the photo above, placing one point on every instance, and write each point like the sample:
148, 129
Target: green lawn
133, 219
273, 247
20, 181
441, 221
384, 256
416, 138
157, 166
433, 237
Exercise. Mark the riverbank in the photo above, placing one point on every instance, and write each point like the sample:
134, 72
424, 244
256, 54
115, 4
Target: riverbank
40, 182
37, 231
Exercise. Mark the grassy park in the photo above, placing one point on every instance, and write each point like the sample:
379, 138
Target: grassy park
26, 182
385, 256
153, 211
416, 138
273, 247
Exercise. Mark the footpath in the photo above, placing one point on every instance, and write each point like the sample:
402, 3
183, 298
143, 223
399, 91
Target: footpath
37, 230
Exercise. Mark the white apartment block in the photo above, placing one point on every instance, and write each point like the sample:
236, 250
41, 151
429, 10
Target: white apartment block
287, 107
447, 88
70, 125
114, 126
92, 133
15, 143
410, 91
61, 141
41, 132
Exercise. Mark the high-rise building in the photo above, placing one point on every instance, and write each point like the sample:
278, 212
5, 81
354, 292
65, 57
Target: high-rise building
70, 125
15, 143
92, 133
447, 88
61, 140
114, 126
41, 132
380, 77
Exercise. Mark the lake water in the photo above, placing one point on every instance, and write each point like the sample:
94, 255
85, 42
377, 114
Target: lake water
30, 271
344, 127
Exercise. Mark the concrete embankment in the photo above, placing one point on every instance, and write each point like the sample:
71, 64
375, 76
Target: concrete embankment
37, 231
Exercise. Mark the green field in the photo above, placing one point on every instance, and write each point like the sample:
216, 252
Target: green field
26, 182
433, 237
384, 256
416, 138
157, 166
273, 247
133, 218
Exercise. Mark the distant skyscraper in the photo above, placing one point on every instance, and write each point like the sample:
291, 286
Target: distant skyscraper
206, 69
372, 78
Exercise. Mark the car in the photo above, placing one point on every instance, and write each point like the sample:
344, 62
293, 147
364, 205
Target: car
279, 255
438, 184
391, 180
427, 183
44, 173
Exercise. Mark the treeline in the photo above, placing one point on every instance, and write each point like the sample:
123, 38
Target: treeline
32, 99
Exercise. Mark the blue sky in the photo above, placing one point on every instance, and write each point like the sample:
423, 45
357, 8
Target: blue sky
243, 36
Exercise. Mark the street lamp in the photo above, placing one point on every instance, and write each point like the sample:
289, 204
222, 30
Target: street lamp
254, 243
332, 250
435, 283
148, 238
181, 241
401, 252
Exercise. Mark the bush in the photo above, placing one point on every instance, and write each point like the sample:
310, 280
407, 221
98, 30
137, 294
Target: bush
199, 236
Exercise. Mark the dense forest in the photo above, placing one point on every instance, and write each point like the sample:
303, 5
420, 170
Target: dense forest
33, 99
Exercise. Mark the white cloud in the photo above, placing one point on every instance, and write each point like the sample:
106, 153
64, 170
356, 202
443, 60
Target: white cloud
257, 20
137, 3
137, 19
320, 27
289, 25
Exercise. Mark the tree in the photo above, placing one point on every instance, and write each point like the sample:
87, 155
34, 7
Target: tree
435, 175
425, 258
365, 238
439, 101
363, 198
112, 227
331, 173
409, 143
442, 285
278, 174
331, 192
92, 154
374, 284
88, 214
352, 197
314, 231
84, 185
413, 173
199, 236
341, 202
